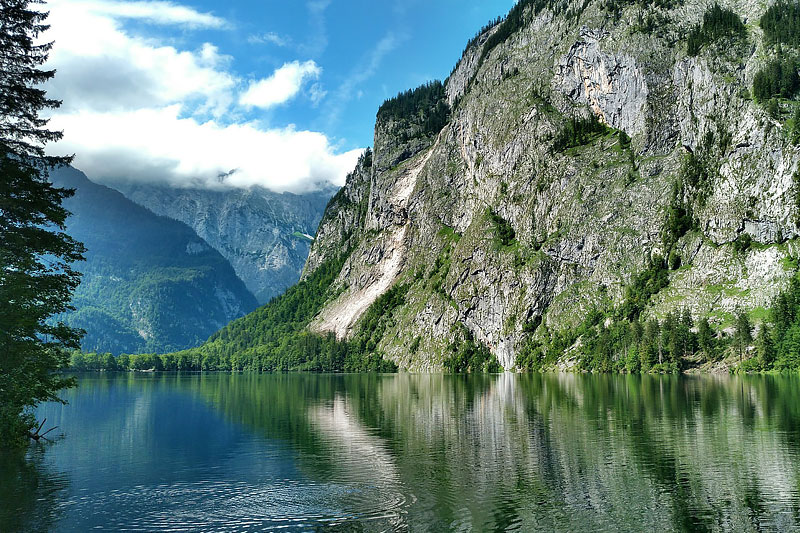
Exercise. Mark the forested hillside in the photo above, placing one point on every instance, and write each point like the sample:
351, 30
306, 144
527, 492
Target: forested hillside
149, 282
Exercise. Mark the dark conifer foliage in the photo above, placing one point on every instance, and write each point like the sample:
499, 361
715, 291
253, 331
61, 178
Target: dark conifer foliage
36, 279
426, 105
718, 23
778, 79
781, 24
578, 131
512, 23
503, 230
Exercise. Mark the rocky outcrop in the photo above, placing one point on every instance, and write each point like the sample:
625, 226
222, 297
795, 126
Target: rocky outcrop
585, 219
261, 233
612, 86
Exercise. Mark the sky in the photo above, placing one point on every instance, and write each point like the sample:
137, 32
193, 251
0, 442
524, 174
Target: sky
212, 93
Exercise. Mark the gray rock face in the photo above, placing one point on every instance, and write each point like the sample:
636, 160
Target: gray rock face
585, 220
261, 233
611, 85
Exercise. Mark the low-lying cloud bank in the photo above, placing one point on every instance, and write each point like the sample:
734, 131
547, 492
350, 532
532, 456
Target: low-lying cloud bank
158, 145
140, 108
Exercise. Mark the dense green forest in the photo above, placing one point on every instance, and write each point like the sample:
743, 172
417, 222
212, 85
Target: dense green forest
425, 106
718, 23
781, 24
779, 78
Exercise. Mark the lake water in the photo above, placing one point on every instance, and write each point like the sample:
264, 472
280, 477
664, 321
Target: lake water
175, 452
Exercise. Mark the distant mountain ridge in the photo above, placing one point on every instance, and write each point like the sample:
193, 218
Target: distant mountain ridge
150, 283
266, 236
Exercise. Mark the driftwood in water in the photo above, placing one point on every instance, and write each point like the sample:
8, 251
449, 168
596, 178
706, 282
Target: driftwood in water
36, 435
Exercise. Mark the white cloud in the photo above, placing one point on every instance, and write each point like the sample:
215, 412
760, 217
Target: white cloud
282, 86
317, 94
159, 145
268, 38
138, 108
102, 67
156, 12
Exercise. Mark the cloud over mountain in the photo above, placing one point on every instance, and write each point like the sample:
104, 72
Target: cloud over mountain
138, 105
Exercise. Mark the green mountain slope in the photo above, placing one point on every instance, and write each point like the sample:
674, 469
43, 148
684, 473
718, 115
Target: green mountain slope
150, 283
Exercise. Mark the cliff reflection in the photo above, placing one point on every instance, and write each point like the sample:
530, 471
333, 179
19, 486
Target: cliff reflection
420, 453
578, 453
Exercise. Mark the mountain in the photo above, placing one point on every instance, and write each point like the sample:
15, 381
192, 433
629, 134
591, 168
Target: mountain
266, 236
598, 185
150, 284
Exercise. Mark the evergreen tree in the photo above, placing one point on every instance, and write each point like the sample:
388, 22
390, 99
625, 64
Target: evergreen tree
766, 348
718, 23
670, 346
705, 339
687, 337
744, 333
649, 347
36, 280
773, 109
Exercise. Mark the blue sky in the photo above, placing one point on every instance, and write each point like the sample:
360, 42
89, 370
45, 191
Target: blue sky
282, 93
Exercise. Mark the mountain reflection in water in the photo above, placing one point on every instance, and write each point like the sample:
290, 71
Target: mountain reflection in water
553, 452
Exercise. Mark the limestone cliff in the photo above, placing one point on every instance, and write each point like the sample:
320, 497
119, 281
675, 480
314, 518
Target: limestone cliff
429, 208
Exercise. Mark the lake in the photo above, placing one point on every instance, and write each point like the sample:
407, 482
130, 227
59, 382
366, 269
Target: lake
309, 452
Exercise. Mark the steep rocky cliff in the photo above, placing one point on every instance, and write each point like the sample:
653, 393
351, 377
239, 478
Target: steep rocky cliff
265, 236
583, 144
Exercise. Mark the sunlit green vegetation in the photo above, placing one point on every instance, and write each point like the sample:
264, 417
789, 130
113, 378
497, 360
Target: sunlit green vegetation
275, 338
615, 342
718, 24
578, 131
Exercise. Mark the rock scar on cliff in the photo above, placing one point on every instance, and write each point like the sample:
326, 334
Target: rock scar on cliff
340, 316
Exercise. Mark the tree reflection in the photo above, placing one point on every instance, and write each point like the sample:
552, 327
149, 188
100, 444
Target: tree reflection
30, 491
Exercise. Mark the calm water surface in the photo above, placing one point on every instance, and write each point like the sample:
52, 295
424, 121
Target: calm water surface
175, 452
